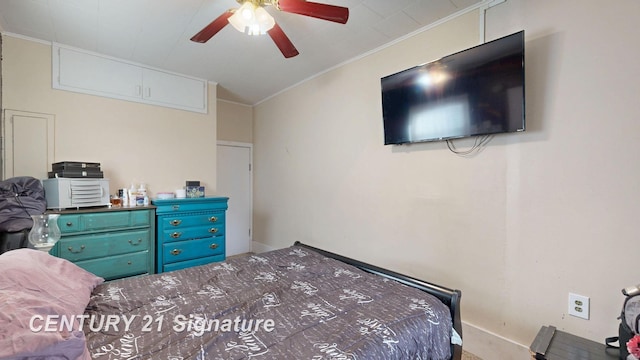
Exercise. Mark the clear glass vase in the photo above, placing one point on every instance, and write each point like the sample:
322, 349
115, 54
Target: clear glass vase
45, 231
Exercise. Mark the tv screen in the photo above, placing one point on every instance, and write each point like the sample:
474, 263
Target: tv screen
478, 91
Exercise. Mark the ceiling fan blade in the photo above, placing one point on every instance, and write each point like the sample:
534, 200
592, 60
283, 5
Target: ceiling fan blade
328, 12
216, 25
282, 42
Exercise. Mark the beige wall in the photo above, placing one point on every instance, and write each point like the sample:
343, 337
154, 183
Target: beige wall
235, 122
534, 216
134, 142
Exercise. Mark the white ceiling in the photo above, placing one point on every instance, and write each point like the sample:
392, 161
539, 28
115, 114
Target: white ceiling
248, 69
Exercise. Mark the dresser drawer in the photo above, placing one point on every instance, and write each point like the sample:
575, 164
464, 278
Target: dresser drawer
168, 206
194, 232
118, 266
83, 247
141, 218
197, 219
187, 250
93, 222
195, 262
70, 224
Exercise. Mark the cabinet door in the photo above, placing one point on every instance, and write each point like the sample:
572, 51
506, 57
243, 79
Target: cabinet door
174, 90
29, 144
98, 75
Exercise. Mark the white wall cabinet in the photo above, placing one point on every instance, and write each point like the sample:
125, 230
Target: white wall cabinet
173, 90
90, 73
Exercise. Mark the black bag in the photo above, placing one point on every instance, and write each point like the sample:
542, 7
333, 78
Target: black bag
14, 240
20, 197
629, 321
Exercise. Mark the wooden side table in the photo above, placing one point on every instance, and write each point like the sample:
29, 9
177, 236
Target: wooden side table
552, 344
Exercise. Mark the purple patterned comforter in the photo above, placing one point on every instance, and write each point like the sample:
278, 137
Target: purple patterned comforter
290, 303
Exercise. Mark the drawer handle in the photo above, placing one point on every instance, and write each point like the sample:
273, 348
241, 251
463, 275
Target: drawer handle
128, 262
213, 219
175, 222
213, 246
213, 230
69, 224
176, 235
136, 244
176, 252
176, 207
77, 251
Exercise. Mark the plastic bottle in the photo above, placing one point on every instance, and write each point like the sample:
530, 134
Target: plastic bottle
132, 198
142, 190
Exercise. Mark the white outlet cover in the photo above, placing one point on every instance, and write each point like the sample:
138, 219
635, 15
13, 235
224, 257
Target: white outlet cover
579, 306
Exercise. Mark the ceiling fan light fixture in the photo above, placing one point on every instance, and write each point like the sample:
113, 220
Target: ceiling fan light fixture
251, 19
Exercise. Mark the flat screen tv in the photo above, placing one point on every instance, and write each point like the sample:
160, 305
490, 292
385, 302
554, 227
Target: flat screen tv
477, 91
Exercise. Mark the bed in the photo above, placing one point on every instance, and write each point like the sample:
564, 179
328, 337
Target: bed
299, 302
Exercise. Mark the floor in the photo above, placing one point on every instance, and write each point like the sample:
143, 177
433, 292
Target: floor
469, 356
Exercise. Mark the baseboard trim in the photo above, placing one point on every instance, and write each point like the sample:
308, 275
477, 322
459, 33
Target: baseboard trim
488, 345
258, 247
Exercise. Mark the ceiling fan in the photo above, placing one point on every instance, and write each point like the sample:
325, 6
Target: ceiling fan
253, 19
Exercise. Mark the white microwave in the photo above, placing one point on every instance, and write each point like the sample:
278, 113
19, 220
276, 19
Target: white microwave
64, 193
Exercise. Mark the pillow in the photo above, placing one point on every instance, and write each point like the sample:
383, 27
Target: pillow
35, 286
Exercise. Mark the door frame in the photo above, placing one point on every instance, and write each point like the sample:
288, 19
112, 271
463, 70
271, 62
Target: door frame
250, 147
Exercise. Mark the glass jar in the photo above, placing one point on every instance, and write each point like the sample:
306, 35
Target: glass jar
45, 231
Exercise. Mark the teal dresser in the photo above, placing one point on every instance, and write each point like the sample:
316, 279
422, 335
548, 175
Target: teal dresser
190, 232
111, 243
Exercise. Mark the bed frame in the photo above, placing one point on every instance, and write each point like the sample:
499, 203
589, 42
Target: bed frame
451, 298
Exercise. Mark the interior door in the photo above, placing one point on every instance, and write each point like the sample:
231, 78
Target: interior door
234, 180
28, 148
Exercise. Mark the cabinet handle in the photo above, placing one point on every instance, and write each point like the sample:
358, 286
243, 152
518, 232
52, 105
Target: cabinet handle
70, 248
213, 246
213, 219
176, 235
136, 244
175, 222
176, 252
213, 230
